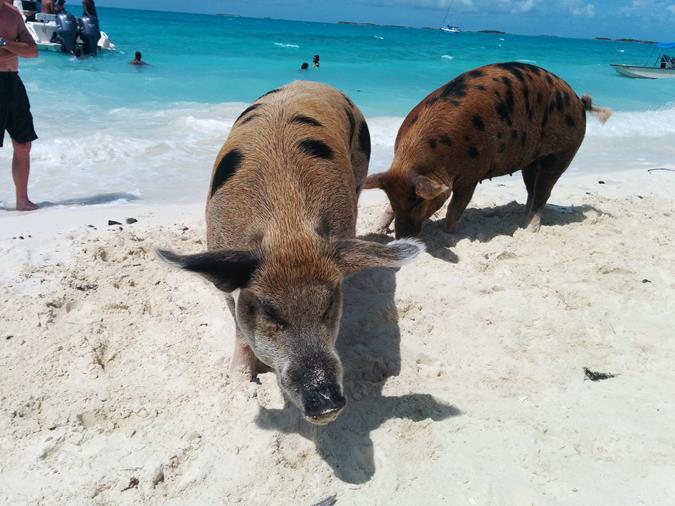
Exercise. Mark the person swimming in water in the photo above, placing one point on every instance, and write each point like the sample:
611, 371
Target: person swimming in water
315, 61
138, 59
304, 66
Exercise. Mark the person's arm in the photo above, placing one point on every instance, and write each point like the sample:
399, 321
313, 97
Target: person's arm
25, 46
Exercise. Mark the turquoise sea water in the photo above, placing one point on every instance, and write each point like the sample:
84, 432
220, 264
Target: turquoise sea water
199, 58
107, 126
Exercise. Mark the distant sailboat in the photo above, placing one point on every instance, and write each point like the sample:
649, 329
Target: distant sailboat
448, 28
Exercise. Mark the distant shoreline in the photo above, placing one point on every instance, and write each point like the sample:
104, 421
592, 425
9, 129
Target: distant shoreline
370, 24
632, 41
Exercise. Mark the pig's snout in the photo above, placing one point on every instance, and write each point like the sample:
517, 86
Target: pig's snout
324, 405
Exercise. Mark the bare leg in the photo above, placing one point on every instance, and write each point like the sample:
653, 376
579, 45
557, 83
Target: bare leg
461, 196
20, 173
550, 168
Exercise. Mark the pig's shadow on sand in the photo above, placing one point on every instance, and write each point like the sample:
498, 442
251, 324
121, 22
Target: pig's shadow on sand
369, 346
484, 224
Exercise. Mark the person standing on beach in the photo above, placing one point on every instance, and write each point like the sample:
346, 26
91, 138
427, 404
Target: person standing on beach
15, 116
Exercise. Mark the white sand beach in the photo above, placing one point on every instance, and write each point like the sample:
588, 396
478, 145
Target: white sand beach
464, 370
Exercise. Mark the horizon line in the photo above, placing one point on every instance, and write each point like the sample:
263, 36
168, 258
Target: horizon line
598, 38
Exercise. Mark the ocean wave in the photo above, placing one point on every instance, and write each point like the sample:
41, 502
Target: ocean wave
447, 57
166, 154
643, 124
281, 44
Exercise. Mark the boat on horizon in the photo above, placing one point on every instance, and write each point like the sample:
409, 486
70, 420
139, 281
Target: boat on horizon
446, 26
663, 67
63, 32
451, 29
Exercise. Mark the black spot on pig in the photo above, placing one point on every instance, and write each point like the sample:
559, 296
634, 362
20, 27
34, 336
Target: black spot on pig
503, 113
305, 120
247, 110
352, 122
316, 148
478, 122
227, 166
364, 139
275, 90
456, 88
559, 101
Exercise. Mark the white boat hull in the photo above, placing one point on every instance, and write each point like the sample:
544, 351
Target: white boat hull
637, 72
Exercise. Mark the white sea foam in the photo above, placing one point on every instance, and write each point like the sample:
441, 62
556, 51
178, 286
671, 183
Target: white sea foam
166, 155
378, 37
281, 44
447, 57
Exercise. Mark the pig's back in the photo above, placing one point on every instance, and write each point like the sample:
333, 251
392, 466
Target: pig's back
499, 117
294, 159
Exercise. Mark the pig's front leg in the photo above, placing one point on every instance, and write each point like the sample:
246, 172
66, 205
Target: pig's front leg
461, 196
245, 365
385, 220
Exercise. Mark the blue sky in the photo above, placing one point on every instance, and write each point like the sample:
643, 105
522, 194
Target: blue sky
648, 19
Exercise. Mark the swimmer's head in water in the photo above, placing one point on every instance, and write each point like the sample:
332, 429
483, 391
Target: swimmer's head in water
304, 66
138, 56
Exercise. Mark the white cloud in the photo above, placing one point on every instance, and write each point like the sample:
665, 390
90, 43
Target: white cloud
587, 10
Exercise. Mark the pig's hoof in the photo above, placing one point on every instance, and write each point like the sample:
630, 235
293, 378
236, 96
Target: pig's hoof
534, 225
242, 374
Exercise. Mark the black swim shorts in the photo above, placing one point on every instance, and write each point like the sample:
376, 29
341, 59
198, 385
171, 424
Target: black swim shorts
15, 116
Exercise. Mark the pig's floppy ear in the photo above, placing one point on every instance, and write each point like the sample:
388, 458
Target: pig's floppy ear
375, 181
427, 188
228, 270
352, 255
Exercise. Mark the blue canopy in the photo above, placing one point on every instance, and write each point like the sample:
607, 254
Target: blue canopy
666, 45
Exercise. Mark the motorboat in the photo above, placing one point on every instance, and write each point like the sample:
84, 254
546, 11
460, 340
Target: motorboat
663, 67
64, 32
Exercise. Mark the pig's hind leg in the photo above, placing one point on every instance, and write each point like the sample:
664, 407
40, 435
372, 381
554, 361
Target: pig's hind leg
529, 178
548, 171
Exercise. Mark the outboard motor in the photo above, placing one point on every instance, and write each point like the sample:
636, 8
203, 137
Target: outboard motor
90, 33
66, 28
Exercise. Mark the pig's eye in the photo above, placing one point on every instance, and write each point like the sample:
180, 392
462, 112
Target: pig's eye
273, 317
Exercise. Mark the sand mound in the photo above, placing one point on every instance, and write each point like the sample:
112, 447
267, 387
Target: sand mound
464, 371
